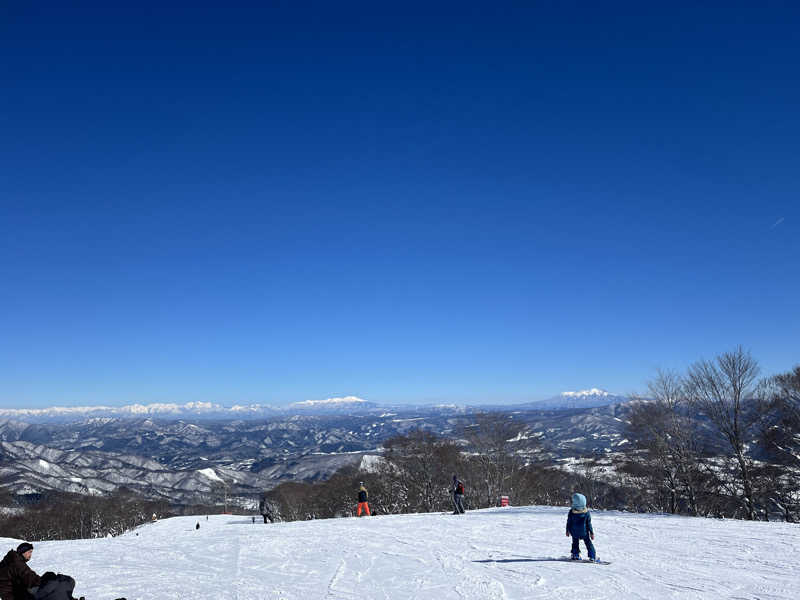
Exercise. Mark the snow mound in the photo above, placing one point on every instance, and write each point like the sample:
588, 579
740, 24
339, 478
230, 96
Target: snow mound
211, 474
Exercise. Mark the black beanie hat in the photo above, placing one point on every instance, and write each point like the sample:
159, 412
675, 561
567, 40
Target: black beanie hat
24, 547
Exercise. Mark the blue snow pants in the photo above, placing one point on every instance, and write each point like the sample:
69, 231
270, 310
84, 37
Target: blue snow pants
576, 547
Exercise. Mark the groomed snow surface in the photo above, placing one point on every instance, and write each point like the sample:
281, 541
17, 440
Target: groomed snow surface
486, 554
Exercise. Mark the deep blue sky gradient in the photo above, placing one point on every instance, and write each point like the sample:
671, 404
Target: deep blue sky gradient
273, 202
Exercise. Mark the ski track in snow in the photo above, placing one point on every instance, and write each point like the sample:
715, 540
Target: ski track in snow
495, 554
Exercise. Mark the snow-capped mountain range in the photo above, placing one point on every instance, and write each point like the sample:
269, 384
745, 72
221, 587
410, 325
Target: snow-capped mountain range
182, 452
196, 410
339, 405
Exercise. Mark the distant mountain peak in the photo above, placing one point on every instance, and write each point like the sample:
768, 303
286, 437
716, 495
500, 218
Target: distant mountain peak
329, 402
591, 398
160, 408
584, 393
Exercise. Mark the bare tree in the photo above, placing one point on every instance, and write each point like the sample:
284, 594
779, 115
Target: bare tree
424, 461
70, 516
666, 431
780, 440
722, 390
494, 439
781, 428
292, 499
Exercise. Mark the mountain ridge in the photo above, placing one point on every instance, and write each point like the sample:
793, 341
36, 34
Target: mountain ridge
164, 458
593, 397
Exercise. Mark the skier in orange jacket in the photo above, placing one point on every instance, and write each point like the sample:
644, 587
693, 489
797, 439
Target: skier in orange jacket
362, 500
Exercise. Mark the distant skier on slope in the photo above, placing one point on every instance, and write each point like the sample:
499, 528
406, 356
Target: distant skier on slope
362, 499
458, 496
267, 510
16, 577
579, 526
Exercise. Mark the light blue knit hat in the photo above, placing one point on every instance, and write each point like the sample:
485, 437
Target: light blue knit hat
578, 501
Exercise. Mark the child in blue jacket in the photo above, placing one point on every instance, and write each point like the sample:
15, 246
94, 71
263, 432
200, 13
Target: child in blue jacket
579, 526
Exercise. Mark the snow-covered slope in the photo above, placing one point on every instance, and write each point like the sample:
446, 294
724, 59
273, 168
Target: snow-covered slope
506, 553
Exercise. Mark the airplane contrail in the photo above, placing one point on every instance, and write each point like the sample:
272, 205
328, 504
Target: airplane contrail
776, 223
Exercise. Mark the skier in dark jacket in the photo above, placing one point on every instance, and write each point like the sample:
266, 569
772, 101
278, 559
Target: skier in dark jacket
267, 510
458, 496
579, 526
16, 577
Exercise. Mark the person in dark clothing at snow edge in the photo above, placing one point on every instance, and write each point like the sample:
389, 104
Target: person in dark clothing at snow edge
458, 496
579, 526
16, 577
266, 509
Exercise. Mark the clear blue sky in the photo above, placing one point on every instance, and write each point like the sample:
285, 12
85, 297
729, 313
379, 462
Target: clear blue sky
272, 202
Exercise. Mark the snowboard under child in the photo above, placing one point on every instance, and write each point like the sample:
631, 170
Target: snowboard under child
579, 526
